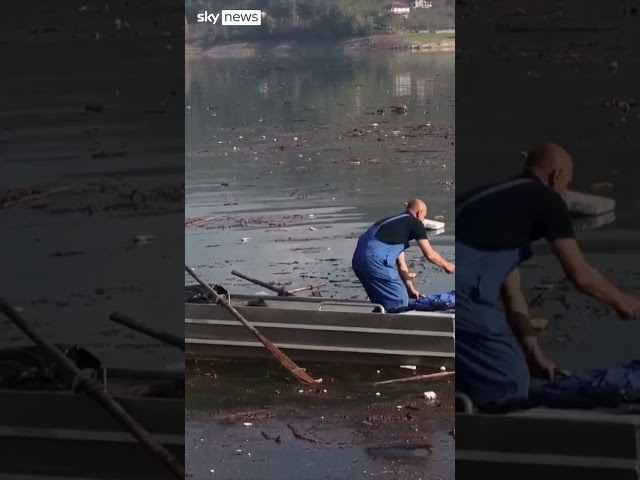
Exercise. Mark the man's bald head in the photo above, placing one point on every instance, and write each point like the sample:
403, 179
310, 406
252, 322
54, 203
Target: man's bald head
417, 208
552, 164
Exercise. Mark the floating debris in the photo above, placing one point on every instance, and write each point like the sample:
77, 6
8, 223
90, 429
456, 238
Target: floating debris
141, 240
429, 395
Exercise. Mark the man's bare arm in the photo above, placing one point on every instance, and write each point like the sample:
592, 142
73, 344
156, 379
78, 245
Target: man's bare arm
583, 276
516, 309
517, 313
431, 255
403, 269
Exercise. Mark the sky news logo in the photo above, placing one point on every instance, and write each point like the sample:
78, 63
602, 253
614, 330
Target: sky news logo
232, 17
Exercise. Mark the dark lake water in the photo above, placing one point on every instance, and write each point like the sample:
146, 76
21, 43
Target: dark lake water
273, 158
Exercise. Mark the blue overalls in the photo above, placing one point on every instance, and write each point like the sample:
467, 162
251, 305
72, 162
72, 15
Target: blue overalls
374, 263
491, 367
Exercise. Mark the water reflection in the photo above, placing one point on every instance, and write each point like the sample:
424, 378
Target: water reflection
357, 102
402, 85
424, 91
267, 83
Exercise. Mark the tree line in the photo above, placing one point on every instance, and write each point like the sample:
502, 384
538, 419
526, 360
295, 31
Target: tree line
313, 19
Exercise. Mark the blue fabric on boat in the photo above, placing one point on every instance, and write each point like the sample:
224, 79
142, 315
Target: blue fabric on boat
374, 263
434, 303
608, 387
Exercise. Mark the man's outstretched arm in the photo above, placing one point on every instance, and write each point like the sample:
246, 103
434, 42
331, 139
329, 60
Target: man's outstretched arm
434, 257
589, 281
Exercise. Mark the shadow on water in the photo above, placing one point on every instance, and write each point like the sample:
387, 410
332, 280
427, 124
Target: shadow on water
247, 420
247, 453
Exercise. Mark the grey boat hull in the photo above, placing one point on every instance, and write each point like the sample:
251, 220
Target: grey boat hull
48, 432
55, 435
316, 329
548, 443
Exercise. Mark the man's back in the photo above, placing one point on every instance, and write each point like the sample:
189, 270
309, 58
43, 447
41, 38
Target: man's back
512, 217
399, 230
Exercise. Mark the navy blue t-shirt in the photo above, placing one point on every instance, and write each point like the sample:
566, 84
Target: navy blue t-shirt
513, 218
401, 231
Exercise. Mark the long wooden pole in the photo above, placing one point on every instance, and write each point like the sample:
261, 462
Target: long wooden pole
164, 337
279, 290
273, 288
298, 372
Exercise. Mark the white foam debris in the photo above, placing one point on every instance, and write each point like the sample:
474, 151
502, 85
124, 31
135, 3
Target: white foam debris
429, 395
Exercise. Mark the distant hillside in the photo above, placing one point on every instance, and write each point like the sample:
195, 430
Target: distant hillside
314, 19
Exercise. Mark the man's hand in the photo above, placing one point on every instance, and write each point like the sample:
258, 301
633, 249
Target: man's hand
449, 268
627, 307
413, 293
539, 364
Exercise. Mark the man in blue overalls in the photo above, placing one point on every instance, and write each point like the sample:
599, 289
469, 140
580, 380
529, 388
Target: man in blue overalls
496, 350
379, 262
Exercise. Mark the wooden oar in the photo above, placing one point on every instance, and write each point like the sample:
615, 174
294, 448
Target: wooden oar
93, 389
304, 289
164, 337
430, 376
279, 290
286, 362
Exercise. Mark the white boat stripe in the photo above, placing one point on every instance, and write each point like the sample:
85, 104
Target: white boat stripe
380, 351
546, 459
386, 331
84, 435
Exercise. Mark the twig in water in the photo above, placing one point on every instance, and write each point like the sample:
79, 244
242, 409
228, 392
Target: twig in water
32, 196
430, 376
277, 439
301, 436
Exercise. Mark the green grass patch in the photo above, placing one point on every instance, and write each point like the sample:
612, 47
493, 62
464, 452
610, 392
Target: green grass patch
423, 38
